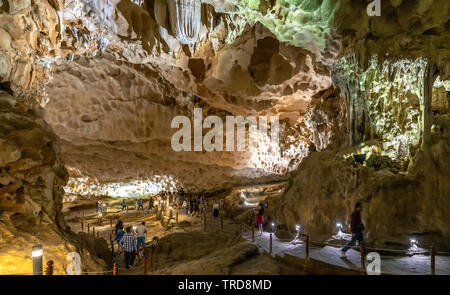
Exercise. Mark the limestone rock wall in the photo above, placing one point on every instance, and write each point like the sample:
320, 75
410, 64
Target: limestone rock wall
31, 180
397, 205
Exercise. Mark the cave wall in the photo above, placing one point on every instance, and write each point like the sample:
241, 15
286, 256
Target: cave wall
386, 102
386, 71
32, 176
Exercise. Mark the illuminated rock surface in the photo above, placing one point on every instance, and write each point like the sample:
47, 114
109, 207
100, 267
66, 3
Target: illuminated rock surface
106, 78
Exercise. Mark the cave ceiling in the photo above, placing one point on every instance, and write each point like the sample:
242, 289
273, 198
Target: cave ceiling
111, 75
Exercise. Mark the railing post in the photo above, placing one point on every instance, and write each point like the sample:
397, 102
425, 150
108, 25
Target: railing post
89, 228
49, 269
242, 227
144, 266
307, 247
112, 243
150, 260
270, 244
110, 221
37, 252
115, 270
204, 221
93, 231
432, 260
176, 216
253, 233
82, 225
363, 258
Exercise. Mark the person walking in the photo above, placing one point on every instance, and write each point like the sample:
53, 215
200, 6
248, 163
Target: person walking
260, 218
150, 203
185, 206
119, 231
162, 200
141, 230
196, 206
140, 204
215, 210
99, 207
128, 244
356, 227
124, 205
119, 225
191, 206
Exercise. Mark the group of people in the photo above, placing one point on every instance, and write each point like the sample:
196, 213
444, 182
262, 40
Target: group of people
193, 205
131, 240
356, 226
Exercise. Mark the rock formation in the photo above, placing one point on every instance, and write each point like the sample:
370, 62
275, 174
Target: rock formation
89, 90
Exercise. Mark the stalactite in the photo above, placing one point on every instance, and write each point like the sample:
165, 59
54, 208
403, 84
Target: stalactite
185, 17
161, 12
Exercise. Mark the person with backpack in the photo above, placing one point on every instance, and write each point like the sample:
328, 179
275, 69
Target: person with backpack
356, 227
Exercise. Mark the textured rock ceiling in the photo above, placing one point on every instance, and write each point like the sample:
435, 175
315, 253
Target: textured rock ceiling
113, 74
113, 110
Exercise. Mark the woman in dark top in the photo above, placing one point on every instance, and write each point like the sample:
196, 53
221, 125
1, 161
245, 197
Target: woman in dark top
260, 218
191, 206
119, 231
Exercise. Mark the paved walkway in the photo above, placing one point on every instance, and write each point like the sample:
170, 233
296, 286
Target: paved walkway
399, 265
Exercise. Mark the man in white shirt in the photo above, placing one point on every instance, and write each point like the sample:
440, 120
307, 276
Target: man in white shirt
141, 230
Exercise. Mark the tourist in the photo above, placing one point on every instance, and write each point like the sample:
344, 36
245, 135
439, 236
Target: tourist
99, 207
140, 204
128, 244
150, 203
124, 205
177, 201
216, 209
191, 206
141, 231
162, 200
196, 206
118, 225
356, 227
260, 217
185, 206
119, 231
182, 193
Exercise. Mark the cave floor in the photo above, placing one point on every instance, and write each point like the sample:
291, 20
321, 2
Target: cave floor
248, 263
276, 263
390, 265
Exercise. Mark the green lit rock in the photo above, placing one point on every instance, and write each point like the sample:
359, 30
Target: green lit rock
302, 23
386, 102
